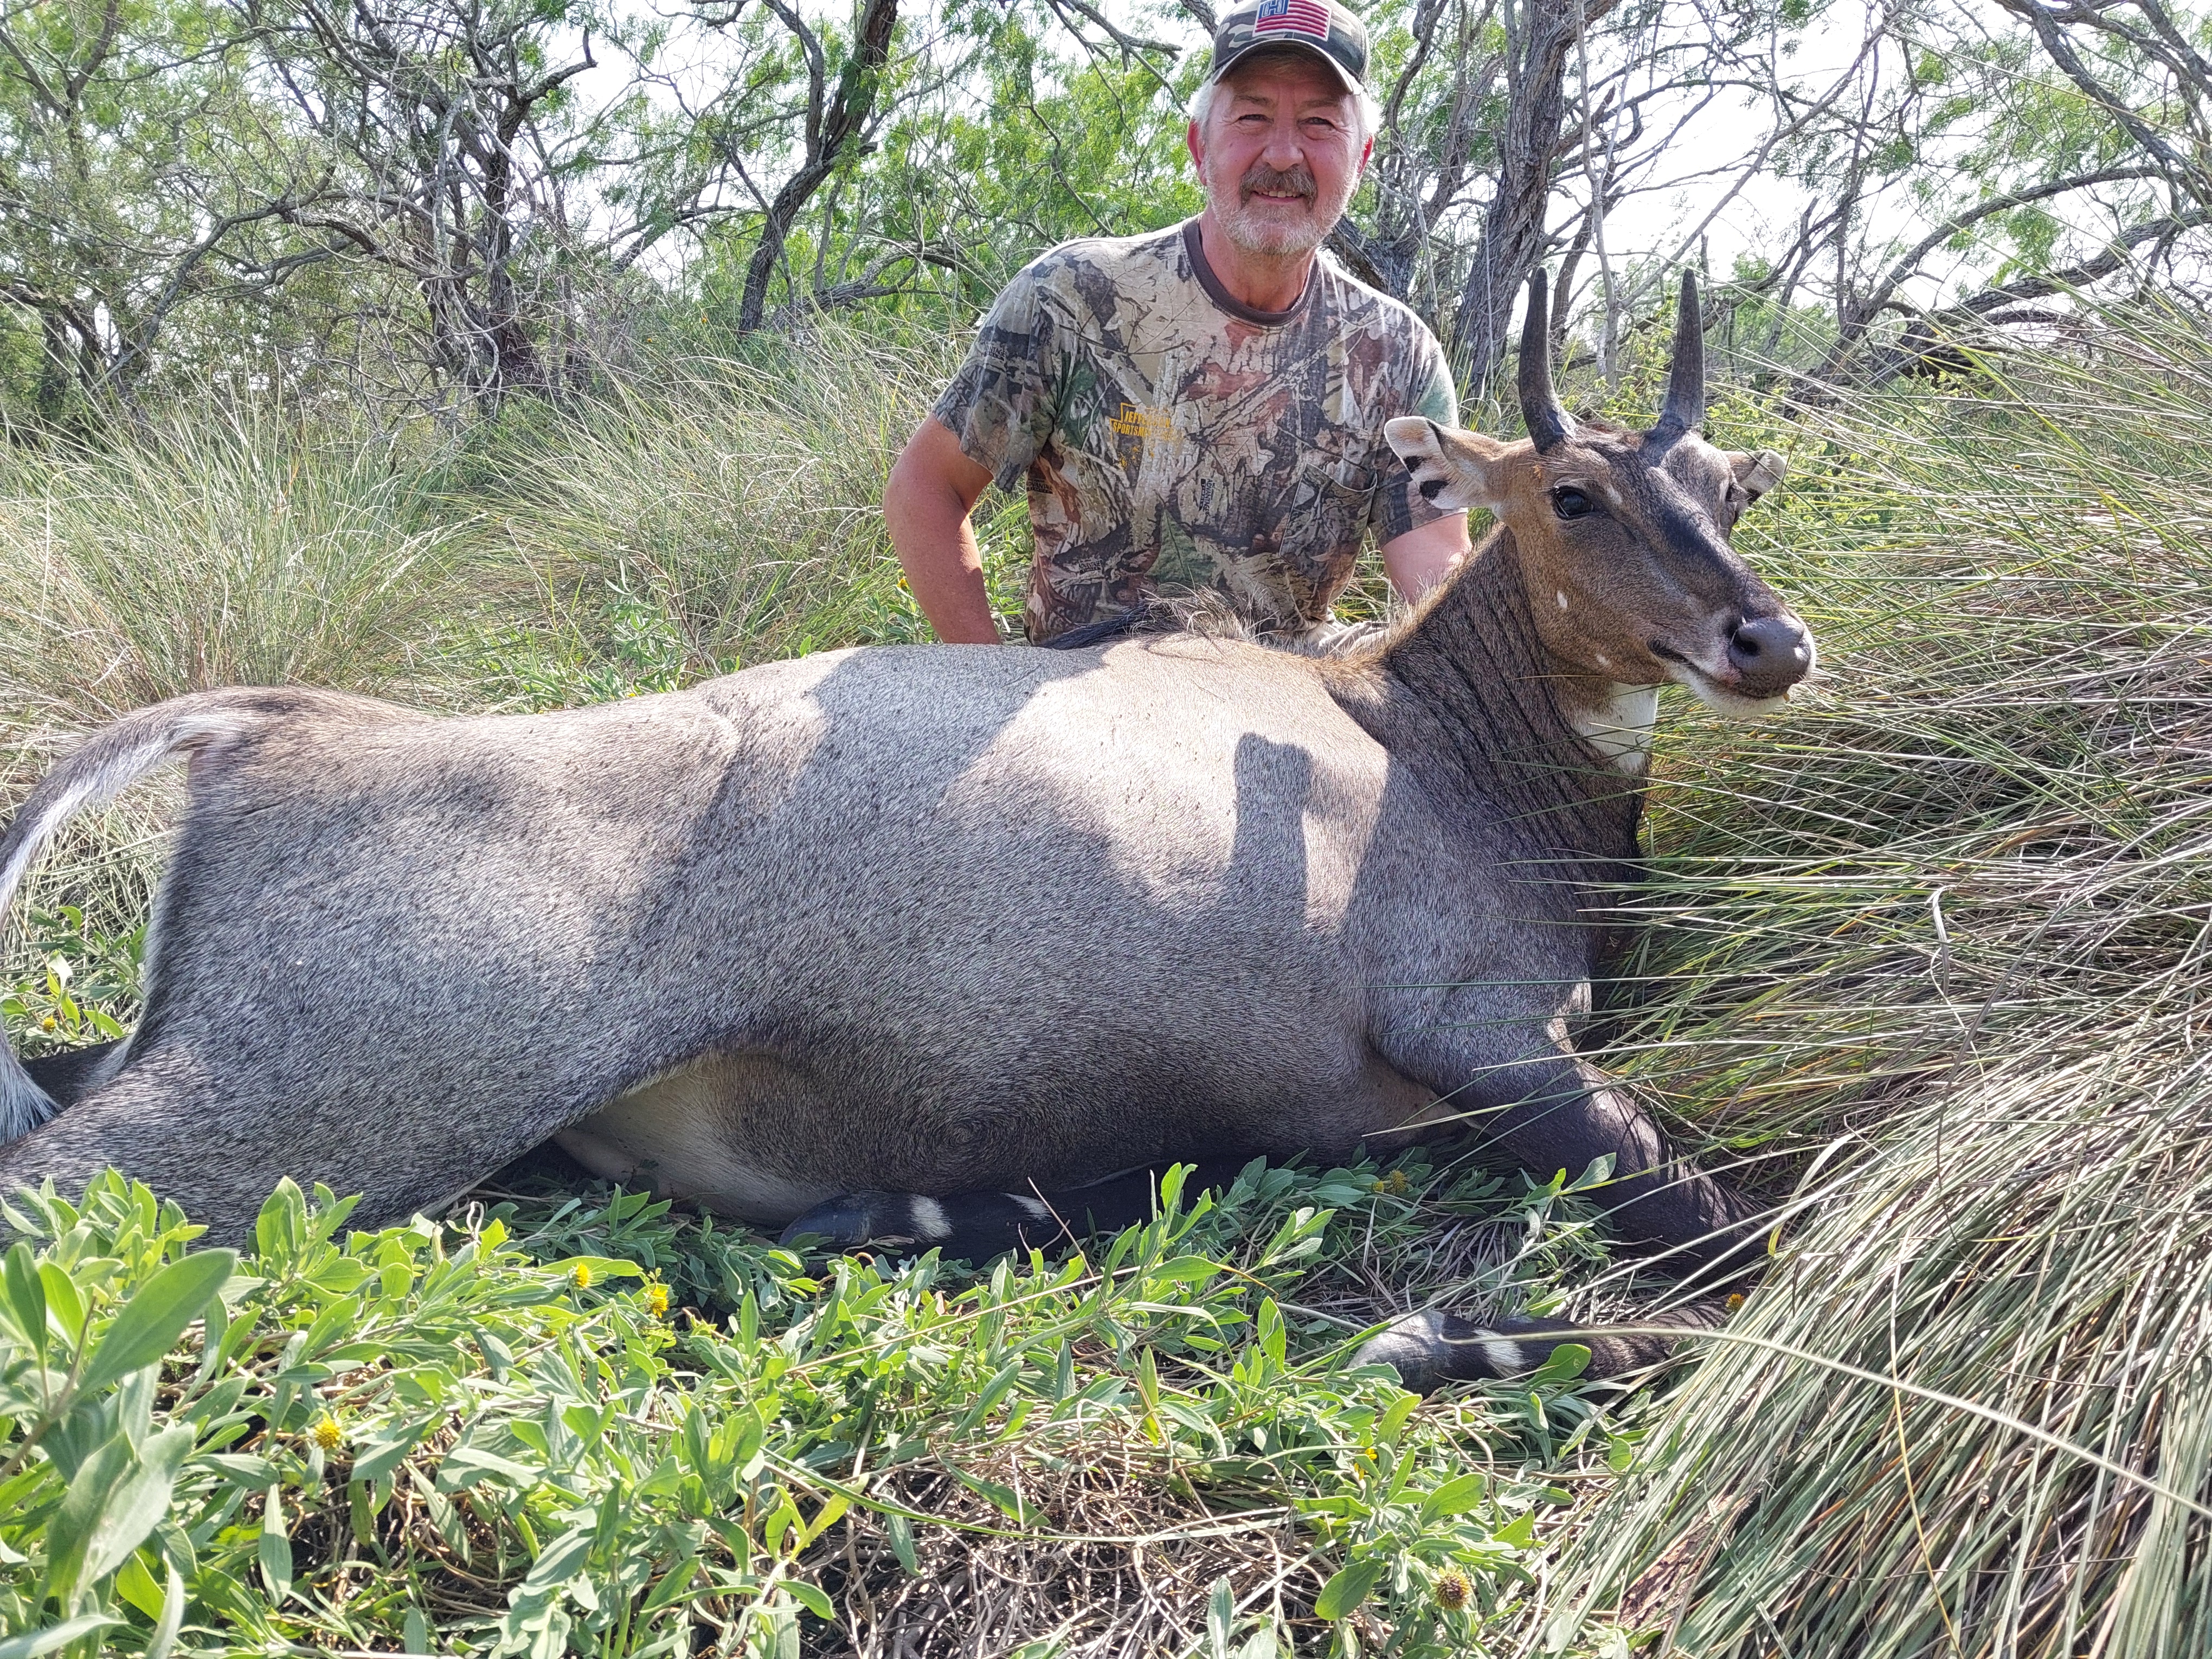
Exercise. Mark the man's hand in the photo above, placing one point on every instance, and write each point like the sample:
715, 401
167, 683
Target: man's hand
1417, 561
933, 489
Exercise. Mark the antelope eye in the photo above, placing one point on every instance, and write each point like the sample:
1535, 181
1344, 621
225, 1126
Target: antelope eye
1569, 502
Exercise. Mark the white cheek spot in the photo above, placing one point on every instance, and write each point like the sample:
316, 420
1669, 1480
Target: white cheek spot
1612, 495
930, 1221
1561, 595
1038, 1209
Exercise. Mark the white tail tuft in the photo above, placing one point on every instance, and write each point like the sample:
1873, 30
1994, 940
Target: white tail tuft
106, 765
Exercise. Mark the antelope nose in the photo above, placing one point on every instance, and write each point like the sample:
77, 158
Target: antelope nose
1770, 654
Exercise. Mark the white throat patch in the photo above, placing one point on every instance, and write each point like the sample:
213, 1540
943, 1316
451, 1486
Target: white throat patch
1620, 727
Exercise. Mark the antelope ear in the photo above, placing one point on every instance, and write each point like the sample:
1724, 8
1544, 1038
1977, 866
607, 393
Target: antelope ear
1451, 468
1757, 472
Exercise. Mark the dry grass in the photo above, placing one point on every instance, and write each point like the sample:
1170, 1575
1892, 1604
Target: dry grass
1136, 1556
1940, 939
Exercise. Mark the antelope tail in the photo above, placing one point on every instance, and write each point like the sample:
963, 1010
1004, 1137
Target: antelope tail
104, 765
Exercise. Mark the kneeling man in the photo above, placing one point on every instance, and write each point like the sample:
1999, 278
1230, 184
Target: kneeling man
1200, 409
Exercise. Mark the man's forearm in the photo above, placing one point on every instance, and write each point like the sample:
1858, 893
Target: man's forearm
945, 572
928, 518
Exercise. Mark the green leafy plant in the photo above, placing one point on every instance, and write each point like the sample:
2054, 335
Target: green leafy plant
89, 985
89, 1476
370, 1437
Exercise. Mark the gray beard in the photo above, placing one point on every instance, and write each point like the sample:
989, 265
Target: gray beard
1270, 238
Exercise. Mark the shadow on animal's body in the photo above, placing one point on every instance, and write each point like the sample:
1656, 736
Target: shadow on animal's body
918, 920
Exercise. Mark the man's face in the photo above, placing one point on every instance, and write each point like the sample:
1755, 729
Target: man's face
1281, 152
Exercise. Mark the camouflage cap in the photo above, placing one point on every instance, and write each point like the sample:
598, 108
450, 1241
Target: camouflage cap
1319, 27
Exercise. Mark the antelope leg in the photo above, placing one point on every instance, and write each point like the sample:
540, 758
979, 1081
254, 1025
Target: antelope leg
975, 1226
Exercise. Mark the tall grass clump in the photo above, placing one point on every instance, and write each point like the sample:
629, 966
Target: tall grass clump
721, 512
220, 547
1934, 948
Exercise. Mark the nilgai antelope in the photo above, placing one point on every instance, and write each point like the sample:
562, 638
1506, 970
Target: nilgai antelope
910, 944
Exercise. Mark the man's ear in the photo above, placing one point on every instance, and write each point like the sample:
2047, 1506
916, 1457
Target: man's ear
1757, 472
1196, 145
1451, 468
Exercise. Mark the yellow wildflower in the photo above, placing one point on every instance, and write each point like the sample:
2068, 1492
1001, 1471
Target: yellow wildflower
326, 1434
1452, 1590
581, 1275
656, 1300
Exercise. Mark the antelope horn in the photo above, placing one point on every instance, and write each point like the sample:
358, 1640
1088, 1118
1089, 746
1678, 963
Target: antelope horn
1686, 382
1548, 422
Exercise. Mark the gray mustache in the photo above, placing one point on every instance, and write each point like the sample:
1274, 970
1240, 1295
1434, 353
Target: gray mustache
1263, 177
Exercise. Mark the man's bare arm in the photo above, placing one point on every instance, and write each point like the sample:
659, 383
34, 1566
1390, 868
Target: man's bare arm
1417, 561
932, 488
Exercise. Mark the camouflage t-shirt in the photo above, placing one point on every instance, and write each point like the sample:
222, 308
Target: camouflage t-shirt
1175, 440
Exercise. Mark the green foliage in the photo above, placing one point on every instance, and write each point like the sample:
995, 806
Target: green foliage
89, 985
123, 129
194, 195
539, 1449
89, 1475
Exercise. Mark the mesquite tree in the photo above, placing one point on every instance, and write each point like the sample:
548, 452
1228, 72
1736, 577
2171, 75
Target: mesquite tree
437, 111
118, 212
450, 203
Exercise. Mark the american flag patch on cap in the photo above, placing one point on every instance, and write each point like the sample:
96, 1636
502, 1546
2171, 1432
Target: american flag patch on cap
1323, 26
1291, 17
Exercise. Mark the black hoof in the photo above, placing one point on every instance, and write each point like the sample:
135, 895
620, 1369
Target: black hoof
1432, 1348
855, 1220
964, 1227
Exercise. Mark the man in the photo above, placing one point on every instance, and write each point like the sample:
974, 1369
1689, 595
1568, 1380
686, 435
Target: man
1201, 408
